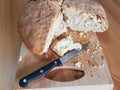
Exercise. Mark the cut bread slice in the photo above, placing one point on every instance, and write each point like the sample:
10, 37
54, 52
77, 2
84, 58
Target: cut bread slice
63, 46
41, 21
69, 41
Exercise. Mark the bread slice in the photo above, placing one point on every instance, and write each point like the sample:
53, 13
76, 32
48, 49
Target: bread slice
66, 44
41, 21
70, 40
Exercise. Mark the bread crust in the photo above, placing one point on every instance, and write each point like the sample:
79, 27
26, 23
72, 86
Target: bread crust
35, 23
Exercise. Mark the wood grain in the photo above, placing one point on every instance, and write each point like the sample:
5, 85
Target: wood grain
10, 41
110, 41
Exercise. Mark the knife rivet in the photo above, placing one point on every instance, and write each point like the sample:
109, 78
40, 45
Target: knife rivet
41, 71
24, 80
55, 62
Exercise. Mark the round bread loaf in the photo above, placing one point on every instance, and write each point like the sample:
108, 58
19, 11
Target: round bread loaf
37, 24
43, 20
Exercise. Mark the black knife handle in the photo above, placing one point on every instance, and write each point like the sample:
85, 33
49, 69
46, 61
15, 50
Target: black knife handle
39, 73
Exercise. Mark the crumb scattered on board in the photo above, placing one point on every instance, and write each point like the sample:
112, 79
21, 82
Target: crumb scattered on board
90, 59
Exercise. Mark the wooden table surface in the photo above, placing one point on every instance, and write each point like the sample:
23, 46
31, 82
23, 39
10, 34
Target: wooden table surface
10, 40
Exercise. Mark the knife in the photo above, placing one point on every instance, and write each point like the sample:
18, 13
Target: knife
47, 68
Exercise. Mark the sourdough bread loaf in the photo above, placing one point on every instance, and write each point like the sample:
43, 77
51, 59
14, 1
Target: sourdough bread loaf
41, 21
38, 22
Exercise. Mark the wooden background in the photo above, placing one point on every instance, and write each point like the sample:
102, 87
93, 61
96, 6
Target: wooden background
10, 41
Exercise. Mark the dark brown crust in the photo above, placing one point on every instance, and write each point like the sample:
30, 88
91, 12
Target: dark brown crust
35, 22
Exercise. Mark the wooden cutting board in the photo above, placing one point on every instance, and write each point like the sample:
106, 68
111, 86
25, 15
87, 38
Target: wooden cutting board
10, 41
92, 60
